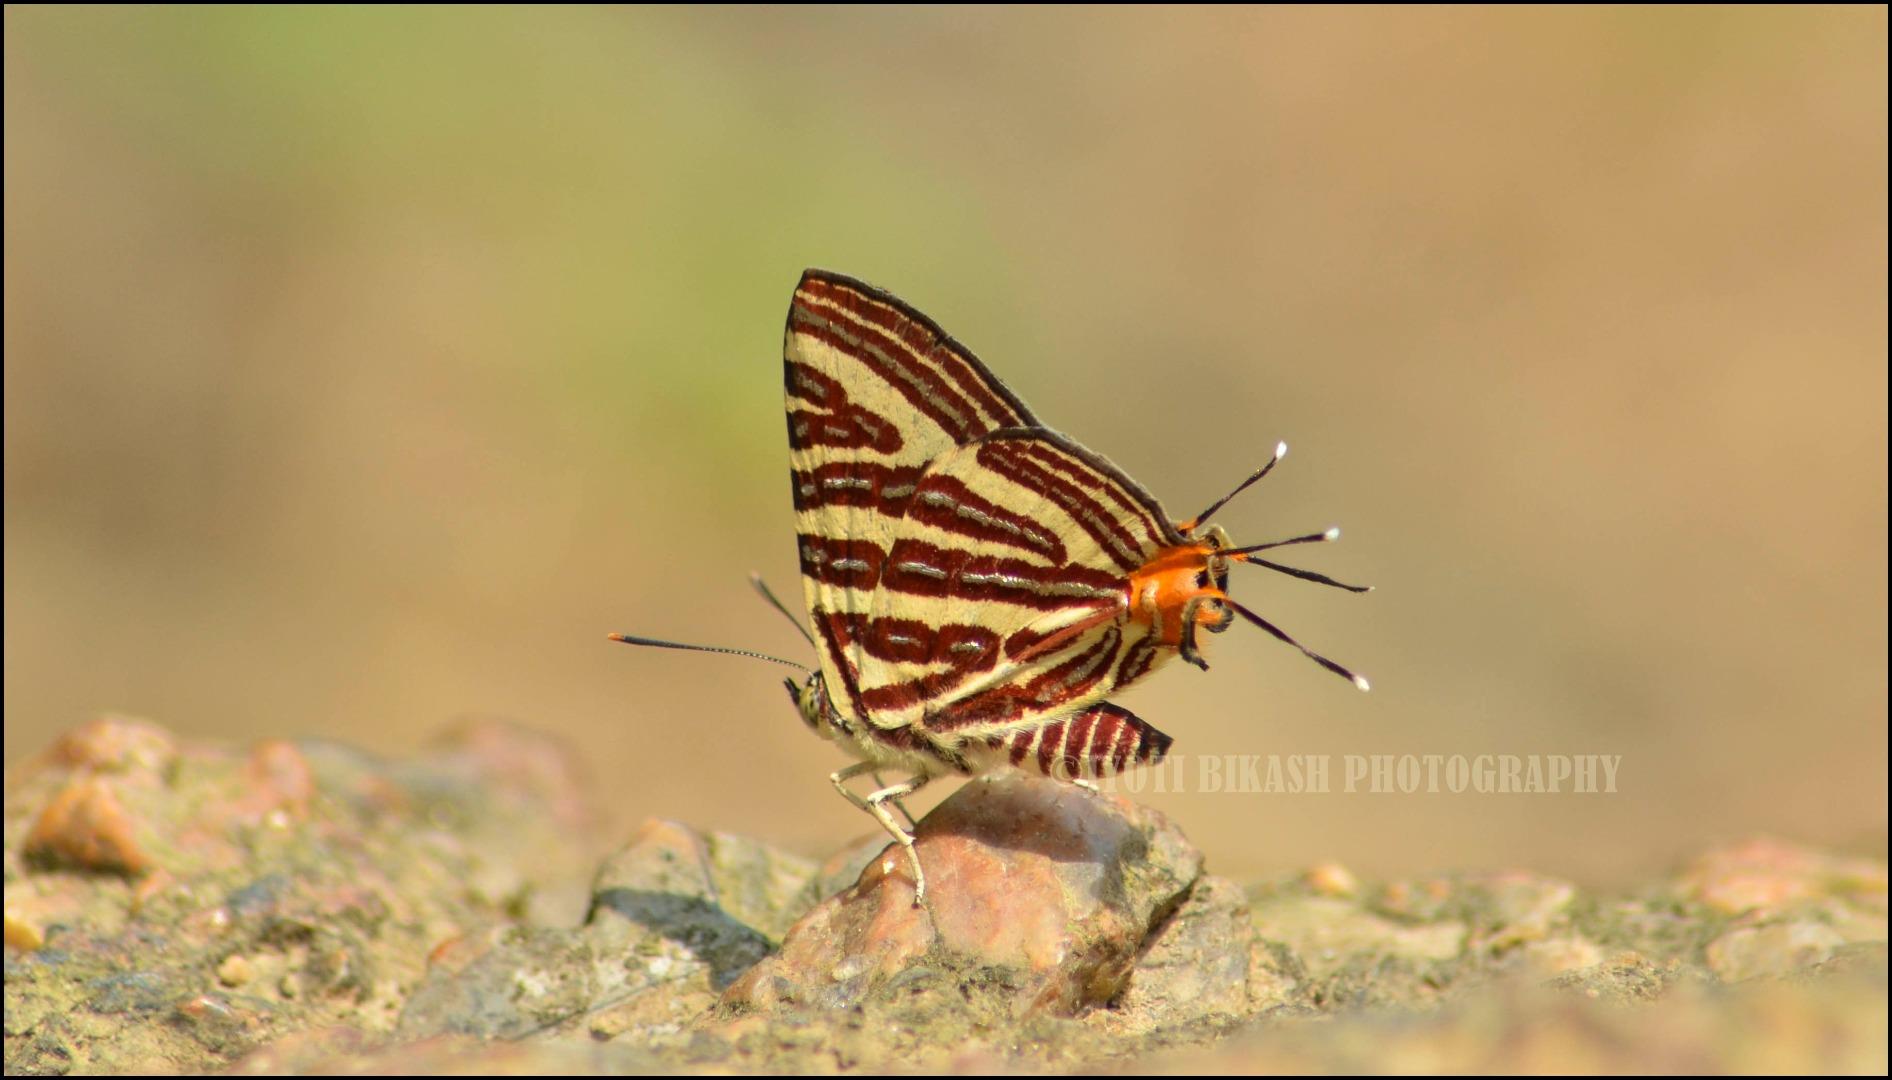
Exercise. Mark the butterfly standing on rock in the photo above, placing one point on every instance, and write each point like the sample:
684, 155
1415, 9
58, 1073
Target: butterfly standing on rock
976, 583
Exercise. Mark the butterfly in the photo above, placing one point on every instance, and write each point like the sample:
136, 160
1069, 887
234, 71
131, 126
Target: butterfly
976, 583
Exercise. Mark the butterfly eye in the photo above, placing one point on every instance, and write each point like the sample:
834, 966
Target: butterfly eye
810, 702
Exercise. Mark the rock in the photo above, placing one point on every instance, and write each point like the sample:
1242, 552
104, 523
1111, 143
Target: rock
1830, 1027
1771, 950
758, 885
1768, 876
86, 826
1558, 955
1500, 910
1628, 978
843, 868
1204, 967
113, 744
666, 929
1406, 944
1522, 907
1331, 879
104, 777
706, 893
173, 906
1329, 934
301, 906
1040, 897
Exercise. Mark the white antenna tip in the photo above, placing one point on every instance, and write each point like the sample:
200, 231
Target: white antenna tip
1331, 534
1360, 681
1280, 450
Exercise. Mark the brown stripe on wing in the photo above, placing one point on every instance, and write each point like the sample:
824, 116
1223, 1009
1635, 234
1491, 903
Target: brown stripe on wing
1055, 688
910, 641
1077, 738
1050, 748
911, 372
883, 488
1103, 740
1080, 674
890, 698
1022, 645
923, 569
922, 340
848, 563
842, 636
835, 629
946, 503
839, 422
1137, 660
1035, 465
1107, 482
1020, 744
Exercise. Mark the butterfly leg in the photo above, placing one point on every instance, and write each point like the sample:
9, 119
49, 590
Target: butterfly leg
877, 805
840, 779
897, 805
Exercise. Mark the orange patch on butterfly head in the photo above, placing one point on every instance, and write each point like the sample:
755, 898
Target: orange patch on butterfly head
1181, 585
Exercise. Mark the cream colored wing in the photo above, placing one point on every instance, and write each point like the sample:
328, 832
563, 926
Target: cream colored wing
875, 391
1002, 599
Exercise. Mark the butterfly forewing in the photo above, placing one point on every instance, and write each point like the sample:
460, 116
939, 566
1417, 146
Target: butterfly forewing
875, 391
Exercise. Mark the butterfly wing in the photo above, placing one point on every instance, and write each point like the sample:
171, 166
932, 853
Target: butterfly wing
1003, 598
875, 391
1092, 743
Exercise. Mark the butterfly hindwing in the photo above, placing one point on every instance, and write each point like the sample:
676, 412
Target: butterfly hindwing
1093, 743
1003, 598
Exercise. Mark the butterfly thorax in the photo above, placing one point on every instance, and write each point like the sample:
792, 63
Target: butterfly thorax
1182, 588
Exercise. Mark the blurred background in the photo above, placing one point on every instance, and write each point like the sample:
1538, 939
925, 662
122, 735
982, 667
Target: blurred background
364, 368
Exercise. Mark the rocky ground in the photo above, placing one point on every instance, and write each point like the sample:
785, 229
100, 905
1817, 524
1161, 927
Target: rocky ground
305, 907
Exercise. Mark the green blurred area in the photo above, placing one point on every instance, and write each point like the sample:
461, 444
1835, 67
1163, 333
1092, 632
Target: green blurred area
364, 367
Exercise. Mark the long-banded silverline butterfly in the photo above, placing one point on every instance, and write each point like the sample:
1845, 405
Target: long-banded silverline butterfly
977, 583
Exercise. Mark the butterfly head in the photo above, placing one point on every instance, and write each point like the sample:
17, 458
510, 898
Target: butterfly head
1184, 588
811, 701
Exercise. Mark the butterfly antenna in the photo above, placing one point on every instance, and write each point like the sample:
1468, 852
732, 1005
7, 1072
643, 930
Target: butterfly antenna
1351, 676
1325, 536
1247, 555
763, 588
632, 639
1280, 451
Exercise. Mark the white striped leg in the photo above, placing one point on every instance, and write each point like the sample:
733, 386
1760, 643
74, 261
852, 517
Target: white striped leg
900, 806
876, 804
